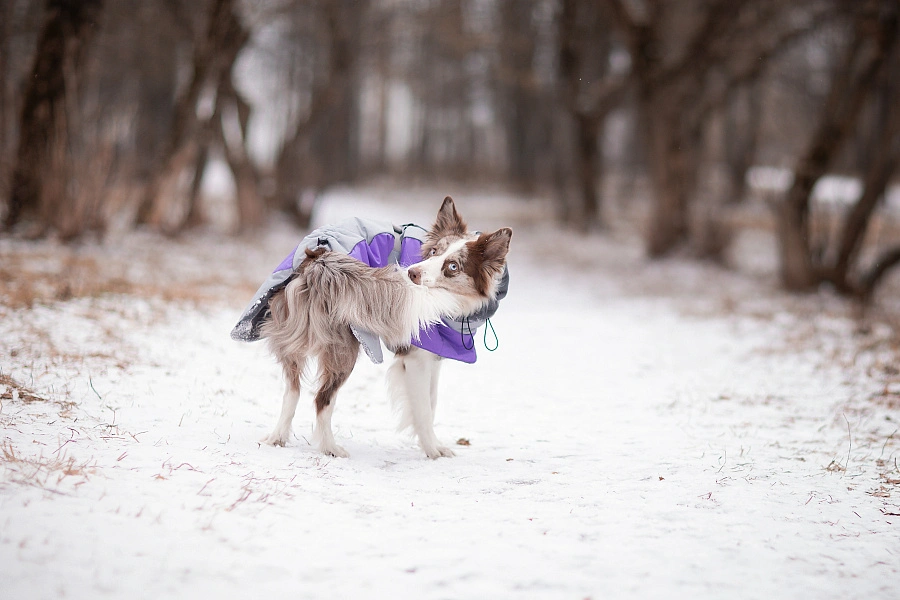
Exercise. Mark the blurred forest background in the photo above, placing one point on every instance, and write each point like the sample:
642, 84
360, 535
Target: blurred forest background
124, 113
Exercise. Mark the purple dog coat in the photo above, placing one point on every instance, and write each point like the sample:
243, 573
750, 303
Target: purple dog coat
376, 244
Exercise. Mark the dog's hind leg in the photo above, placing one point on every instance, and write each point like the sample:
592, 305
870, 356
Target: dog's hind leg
435, 375
282, 432
413, 382
334, 369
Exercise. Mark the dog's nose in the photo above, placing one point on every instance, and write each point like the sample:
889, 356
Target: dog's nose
415, 275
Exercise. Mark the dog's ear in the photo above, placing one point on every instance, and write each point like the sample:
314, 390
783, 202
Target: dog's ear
448, 221
495, 246
490, 250
486, 258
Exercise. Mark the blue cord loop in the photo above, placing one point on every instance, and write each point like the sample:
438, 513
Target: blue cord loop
466, 325
462, 333
487, 324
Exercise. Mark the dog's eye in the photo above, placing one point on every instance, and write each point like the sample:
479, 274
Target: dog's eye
433, 252
453, 266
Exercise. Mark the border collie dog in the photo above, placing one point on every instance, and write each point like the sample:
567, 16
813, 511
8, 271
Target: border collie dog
311, 317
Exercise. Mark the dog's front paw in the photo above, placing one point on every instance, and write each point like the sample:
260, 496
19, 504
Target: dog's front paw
334, 450
438, 451
276, 438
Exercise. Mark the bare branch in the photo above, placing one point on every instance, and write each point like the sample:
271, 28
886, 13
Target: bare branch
887, 261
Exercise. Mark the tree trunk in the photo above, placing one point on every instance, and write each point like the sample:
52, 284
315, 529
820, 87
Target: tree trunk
194, 216
331, 121
583, 55
208, 132
795, 260
65, 34
865, 57
562, 134
334, 134
213, 54
742, 137
523, 120
887, 261
251, 208
588, 172
884, 153
6, 119
795, 252
673, 172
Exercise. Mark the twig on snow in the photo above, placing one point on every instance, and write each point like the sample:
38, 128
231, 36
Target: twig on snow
849, 443
886, 442
204, 486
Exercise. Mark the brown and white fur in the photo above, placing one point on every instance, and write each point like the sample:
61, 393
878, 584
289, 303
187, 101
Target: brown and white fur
311, 318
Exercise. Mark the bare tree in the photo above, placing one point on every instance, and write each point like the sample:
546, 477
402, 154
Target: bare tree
743, 121
520, 92
524, 94
873, 41
877, 175
165, 205
685, 58
318, 151
589, 91
42, 155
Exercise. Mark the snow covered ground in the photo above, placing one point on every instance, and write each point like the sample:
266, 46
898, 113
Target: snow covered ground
663, 430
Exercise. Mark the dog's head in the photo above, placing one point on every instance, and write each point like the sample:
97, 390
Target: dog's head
466, 264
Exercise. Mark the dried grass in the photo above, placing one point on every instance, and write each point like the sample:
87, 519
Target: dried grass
13, 391
42, 274
32, 278
45, 472
16, 391
24, 284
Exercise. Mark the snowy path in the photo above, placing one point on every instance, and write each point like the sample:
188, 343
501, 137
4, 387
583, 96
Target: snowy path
618, 449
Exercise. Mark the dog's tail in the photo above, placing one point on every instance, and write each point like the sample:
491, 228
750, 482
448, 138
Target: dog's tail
384, 301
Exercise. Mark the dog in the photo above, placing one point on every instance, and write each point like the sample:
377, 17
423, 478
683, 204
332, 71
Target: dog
311, 317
